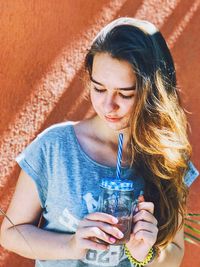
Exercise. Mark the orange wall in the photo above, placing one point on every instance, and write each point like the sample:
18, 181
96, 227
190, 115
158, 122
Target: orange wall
41, 53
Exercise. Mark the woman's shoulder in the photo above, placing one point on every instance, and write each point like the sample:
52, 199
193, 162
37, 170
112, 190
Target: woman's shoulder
57, 130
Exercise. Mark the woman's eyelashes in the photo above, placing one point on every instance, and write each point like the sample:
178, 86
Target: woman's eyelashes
104, 90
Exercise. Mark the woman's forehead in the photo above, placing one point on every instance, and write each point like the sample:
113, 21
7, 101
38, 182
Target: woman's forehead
106, 68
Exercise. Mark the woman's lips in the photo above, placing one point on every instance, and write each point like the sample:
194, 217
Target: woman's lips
112, 119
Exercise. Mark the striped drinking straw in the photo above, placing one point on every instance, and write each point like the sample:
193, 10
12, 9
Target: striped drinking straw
119, 155
118, 171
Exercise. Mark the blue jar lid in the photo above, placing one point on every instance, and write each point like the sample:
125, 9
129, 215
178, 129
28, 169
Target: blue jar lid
117, 184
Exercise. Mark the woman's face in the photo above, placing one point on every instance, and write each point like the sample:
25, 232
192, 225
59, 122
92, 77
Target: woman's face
113, 90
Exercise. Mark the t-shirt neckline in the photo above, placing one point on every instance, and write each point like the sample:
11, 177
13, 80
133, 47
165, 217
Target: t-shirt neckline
87, 157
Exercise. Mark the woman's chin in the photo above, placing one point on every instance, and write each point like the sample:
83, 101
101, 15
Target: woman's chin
117, 126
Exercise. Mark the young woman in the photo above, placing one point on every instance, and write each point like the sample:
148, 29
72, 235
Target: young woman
132, 87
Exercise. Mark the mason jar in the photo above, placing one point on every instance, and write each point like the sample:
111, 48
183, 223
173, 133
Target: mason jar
117, 198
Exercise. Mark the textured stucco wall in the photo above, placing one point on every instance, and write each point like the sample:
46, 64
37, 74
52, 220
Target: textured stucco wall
42, 48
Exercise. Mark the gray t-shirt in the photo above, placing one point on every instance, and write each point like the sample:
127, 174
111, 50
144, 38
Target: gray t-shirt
67, 182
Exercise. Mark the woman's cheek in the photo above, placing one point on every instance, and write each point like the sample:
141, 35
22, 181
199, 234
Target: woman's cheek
96, 104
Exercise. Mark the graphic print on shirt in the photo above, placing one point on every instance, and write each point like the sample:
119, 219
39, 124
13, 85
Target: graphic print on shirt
68, 220
90, 202
110, 257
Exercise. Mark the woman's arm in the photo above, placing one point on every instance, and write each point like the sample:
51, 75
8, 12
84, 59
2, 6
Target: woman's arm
26, 239
173, 254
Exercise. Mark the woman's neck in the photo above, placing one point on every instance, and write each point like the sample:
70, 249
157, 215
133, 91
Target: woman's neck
107, 135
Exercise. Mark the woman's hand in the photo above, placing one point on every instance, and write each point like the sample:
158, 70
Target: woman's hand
95, 226
145, 231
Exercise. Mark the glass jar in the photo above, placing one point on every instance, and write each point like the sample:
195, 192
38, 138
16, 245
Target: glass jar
117, 198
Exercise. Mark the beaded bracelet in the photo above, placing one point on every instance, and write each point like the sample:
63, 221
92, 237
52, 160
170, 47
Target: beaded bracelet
150, 256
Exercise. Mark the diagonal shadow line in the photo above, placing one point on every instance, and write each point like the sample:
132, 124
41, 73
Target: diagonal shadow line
179, 29
157, 11
71, 98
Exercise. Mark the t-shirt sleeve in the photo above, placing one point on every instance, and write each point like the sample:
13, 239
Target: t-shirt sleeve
191, 174
33, 161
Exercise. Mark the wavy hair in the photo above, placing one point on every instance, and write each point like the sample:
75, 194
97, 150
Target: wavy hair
158, 147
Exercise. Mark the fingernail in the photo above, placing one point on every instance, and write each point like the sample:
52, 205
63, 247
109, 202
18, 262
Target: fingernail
120, 235
115, 220
112, 239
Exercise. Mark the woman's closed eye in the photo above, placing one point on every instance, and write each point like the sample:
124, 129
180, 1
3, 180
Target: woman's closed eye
104, 90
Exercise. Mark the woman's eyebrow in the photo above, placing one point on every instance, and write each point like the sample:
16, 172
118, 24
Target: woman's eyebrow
123, 89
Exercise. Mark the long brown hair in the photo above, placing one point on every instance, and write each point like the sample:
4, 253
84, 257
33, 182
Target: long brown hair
159, 148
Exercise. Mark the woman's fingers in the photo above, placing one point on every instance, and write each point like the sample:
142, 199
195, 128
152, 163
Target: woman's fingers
146, 226
105, 227
100, 216
148, 206
99, 226
102, 226
94, 231
144, 215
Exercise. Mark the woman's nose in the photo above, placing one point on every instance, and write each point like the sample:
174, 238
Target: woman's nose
110, 104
